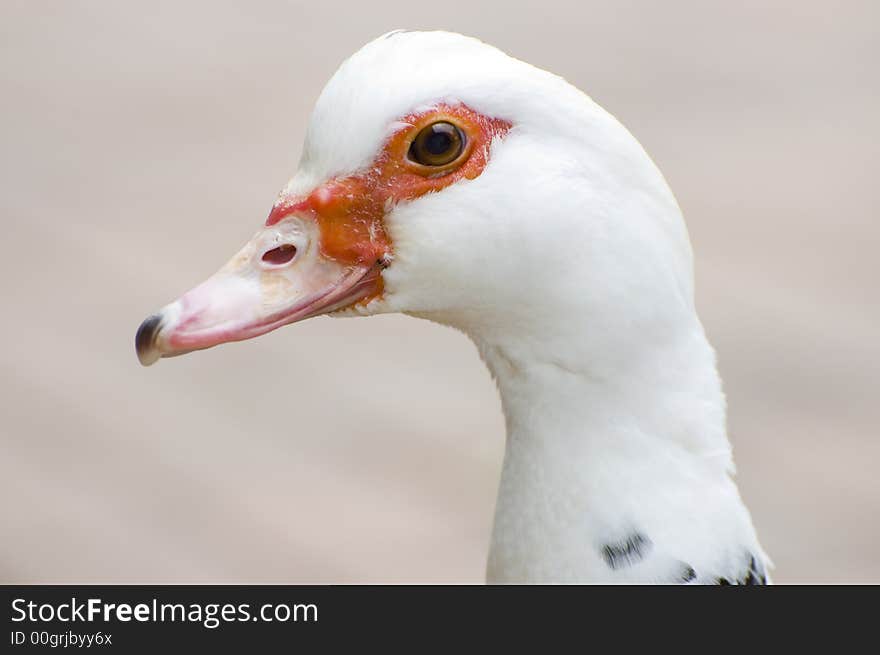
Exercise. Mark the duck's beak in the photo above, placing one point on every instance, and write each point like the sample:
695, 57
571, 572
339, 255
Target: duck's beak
279, 277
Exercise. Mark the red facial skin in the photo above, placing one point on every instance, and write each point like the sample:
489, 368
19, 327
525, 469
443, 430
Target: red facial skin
350, 211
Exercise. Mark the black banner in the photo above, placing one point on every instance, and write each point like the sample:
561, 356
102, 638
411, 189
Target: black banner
127, 619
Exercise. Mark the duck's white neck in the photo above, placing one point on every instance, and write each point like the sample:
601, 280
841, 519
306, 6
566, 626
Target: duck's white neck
615, 471
568, 263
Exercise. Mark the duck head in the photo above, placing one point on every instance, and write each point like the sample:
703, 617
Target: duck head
444, 179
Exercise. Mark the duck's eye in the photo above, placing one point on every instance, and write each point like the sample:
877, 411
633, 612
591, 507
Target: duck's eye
437, 145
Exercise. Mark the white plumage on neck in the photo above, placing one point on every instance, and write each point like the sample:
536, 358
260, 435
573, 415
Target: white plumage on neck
594, 457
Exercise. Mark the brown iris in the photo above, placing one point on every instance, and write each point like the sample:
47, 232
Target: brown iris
437, 144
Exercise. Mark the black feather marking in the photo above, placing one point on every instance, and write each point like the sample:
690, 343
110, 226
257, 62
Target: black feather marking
755, 575
627, 552
687, 574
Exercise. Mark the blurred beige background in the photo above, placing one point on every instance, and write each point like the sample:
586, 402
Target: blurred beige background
143, 143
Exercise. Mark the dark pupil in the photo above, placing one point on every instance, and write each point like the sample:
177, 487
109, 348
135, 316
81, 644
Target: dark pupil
439, 142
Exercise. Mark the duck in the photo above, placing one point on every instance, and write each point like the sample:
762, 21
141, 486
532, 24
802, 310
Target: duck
446, 180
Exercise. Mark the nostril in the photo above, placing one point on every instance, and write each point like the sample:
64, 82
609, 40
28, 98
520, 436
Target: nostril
280, 255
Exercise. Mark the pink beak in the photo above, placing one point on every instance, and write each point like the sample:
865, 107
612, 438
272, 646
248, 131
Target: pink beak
279, 277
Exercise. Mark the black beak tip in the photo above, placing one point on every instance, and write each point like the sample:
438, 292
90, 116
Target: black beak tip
145, 340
